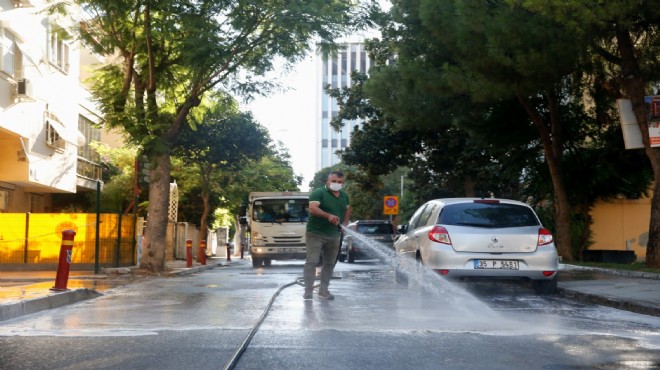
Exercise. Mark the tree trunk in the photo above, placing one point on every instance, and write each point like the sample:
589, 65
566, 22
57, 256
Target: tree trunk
205, 173
552, 146
203, 229
469, 186
153, 253
635, 89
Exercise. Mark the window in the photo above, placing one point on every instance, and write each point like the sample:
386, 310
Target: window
488, 215
4, 200
424, 219
91, 133
53, 137
58, 48
88, 159
415, 218
11, 60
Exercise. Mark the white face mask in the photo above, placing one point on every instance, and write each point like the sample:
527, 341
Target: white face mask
335, 186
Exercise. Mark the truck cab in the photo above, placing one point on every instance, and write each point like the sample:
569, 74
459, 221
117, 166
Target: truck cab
278, 222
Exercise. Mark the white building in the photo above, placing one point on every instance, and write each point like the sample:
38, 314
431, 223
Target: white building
46, 114
336, 72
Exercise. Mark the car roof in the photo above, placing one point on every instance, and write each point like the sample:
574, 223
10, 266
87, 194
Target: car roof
470, 200
370, 222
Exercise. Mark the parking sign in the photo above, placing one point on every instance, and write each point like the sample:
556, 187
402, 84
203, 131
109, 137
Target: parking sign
391, 205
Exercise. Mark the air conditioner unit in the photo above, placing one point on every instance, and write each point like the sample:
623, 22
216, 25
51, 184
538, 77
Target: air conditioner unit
24, 88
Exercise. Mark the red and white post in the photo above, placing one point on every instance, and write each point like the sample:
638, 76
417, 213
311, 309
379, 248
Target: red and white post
189, 253
64, 265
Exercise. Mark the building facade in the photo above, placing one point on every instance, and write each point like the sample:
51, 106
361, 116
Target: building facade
47, 117
335, 71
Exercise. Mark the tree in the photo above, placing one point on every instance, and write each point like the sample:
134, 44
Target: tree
170, 53
219, 146
624, 35
427, 87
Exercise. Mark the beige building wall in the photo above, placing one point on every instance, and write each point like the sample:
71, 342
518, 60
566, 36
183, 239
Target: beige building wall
621, 224
44, 105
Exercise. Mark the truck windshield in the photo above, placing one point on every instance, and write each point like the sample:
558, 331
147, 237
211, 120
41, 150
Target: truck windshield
280, 210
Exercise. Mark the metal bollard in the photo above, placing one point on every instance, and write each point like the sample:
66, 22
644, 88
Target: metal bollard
64, 264
228, 252
202, 252
242, 250
189, 253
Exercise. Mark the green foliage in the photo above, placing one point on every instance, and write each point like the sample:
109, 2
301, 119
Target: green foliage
440, 101
212, 152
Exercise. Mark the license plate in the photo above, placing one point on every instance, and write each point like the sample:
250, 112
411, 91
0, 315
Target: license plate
496, 264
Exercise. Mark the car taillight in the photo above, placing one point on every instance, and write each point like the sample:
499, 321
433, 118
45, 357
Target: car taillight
440, 235
545, 236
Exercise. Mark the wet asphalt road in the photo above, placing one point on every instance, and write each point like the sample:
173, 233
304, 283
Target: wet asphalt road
202, 321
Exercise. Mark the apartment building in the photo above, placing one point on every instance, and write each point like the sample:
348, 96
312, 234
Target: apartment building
336, 71
47, 117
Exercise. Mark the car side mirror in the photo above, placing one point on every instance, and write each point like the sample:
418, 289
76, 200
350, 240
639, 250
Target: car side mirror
402, 228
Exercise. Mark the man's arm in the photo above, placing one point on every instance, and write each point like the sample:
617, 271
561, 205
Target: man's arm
347, 216
315, 210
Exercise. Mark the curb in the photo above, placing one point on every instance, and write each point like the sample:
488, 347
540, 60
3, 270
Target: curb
20, 308
625, 273
191, 270
603, 301
16, 309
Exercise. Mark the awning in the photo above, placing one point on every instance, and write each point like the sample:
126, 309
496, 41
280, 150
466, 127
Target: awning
70, 135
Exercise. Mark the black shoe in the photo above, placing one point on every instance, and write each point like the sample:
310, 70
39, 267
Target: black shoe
326, 295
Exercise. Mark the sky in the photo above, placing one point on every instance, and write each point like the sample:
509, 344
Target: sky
290, 116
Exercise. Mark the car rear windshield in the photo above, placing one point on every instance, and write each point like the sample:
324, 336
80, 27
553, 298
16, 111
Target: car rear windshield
374, 229
493, 215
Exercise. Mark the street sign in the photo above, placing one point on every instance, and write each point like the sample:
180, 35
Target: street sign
391, 205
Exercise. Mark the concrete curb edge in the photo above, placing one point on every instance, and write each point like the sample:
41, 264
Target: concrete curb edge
603, 301
12, 310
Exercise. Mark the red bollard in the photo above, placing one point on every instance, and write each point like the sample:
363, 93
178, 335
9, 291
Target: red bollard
228, 252
202, 252
64, 265
188, 253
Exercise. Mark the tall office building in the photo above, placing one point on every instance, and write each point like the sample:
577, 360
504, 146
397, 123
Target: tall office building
336, 72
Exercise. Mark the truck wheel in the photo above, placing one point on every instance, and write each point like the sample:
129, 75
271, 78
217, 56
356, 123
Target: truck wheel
267, 262
256, 262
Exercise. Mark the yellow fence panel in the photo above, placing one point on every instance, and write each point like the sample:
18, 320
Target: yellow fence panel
12, 238
42, 241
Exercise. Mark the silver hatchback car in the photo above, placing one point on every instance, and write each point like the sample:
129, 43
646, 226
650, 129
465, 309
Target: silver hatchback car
480, 238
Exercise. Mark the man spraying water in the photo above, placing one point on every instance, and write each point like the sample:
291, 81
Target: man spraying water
329, 209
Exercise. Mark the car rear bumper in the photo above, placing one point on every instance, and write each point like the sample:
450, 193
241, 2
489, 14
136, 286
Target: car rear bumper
535, 265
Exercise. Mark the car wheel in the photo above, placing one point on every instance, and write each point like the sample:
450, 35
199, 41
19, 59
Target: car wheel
256, 262
351, 257
545, 286
342, 257
267, 262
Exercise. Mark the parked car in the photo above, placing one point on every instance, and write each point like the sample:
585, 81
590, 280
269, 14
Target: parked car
352, 248
471, 238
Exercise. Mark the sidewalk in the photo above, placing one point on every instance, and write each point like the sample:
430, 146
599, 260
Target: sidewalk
27, 292
625, 290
